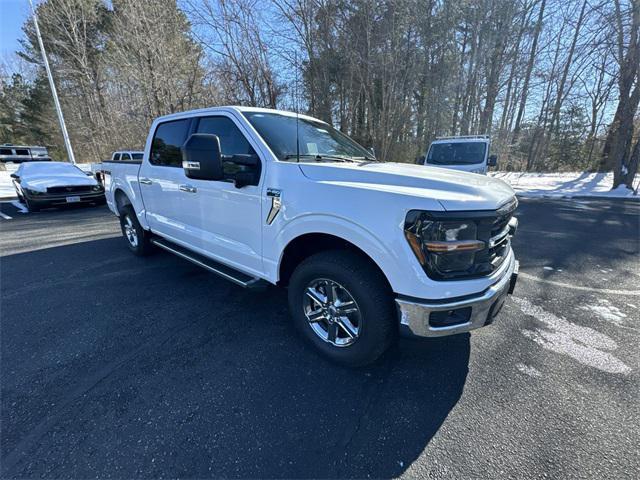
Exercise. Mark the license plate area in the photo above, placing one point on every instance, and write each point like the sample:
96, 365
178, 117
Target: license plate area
73, 199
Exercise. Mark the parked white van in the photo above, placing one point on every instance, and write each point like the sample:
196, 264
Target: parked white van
467, 153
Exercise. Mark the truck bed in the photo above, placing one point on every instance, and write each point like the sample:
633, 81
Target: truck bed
122, 176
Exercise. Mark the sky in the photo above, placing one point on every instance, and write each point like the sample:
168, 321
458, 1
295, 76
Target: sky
13, 14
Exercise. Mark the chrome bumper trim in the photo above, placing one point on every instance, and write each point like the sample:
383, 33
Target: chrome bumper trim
415, 314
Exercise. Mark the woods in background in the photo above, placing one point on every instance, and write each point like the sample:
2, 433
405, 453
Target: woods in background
555, 82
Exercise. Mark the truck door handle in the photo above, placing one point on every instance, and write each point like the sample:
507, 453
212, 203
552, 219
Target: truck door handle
145, 181
188, 188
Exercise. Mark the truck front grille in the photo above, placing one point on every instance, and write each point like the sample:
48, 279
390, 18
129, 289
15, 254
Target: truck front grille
70, 189
494, 231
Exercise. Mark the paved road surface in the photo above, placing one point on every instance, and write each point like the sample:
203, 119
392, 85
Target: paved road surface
116, 366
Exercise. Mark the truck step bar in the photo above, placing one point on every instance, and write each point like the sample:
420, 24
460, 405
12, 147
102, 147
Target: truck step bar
218, 268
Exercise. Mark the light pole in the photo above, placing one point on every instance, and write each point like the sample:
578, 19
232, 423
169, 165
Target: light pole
63, 127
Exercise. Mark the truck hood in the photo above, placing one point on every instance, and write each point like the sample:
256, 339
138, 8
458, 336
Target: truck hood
40, 183
454, 190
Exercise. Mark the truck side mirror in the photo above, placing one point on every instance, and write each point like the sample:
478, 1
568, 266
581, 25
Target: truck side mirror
14, 176
492, 161
201, 157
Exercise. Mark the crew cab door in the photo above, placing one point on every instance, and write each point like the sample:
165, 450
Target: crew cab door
160, 178
224, 220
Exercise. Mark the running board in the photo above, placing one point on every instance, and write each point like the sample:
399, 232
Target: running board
218, 268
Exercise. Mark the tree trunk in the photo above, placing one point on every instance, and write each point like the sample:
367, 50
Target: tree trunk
527, 75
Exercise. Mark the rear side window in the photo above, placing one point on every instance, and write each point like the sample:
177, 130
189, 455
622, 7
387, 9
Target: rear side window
22, 151
116, 157
137, 156
169, 137
125, 157
5, 151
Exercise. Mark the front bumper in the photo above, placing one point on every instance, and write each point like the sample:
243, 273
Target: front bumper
421, 318
51, 200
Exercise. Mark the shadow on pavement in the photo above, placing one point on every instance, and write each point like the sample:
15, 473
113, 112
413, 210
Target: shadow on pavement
119, 366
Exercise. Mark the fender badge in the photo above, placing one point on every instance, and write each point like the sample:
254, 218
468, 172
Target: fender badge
276, 204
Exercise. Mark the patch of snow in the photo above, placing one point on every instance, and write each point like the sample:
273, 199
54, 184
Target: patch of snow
527, 370
631, 305
548, 268
585, 345
607, 311
7, 190
565, 185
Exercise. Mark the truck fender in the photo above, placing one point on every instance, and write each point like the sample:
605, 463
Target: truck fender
381, 253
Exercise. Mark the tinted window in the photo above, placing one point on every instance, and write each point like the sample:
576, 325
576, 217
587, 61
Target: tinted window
462, 153
137, 156
116, 157
232, 141
169, 137
125, 157
22, 151
5, 151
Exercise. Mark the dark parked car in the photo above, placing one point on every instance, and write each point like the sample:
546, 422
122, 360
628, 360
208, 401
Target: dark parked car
45, 184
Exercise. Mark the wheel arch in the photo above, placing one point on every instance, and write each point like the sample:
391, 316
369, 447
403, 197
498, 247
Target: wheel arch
304, 245
121, 200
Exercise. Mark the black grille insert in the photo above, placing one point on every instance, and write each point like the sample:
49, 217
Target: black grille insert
70, 189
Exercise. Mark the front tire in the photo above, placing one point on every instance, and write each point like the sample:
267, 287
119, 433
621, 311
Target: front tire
342, 304
137, 238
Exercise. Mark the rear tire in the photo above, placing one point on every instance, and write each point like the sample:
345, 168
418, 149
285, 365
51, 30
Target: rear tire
342, 304
137, 238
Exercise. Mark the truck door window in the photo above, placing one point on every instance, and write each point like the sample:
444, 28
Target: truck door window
232, 141
116, 157
169, 137
126, 157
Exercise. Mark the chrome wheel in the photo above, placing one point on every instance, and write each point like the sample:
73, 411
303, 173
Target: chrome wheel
130, 231
332, 312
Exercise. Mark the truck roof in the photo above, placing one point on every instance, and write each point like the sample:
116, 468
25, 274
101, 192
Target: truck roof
232, 109
463, 138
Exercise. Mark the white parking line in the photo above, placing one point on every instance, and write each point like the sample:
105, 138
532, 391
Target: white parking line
633, 293
19, 206
5, 216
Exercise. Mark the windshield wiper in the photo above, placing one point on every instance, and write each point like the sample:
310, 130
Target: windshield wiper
323, 156
318, 156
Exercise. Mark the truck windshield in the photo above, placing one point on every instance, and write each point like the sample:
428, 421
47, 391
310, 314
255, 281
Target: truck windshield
317, 139
457, 153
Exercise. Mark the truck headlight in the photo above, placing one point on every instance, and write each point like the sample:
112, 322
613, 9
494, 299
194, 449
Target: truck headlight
444, 248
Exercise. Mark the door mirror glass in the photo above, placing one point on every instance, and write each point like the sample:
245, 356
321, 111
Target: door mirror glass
492, 161
201, 157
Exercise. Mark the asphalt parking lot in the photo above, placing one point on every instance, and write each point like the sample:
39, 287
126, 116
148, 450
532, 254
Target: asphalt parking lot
114, 366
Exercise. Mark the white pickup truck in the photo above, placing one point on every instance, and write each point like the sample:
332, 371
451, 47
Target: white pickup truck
366, 249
